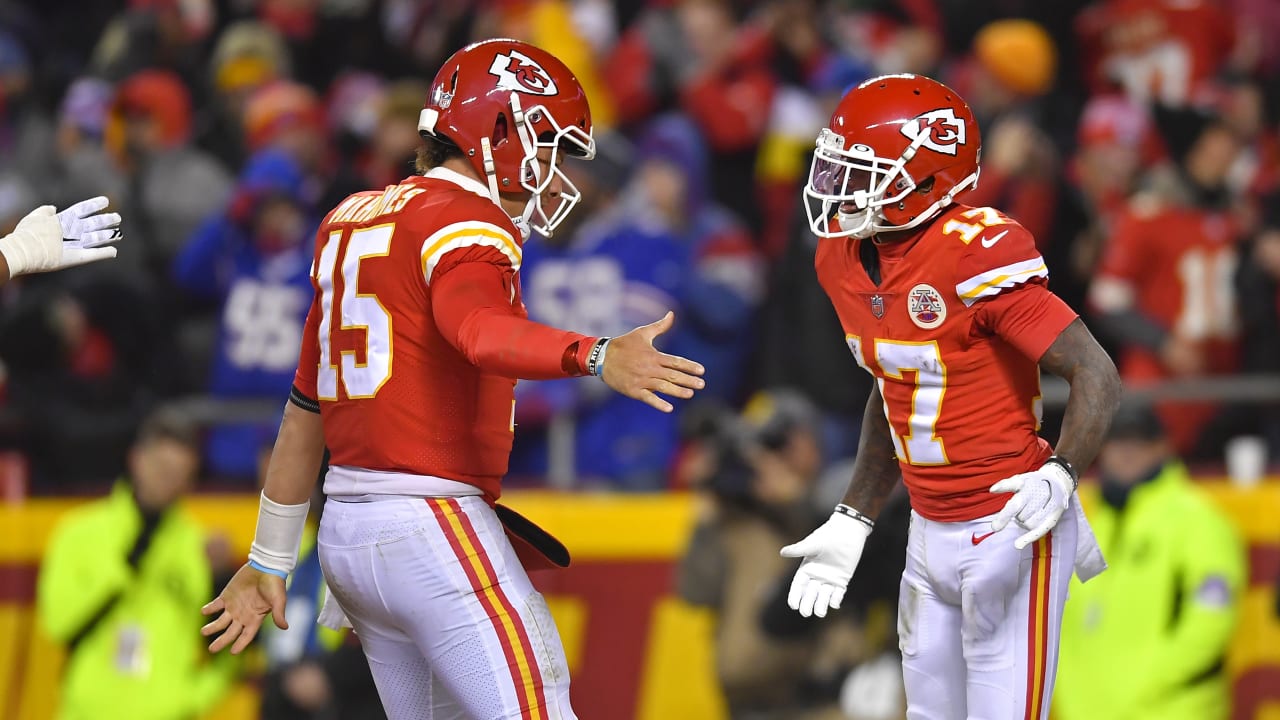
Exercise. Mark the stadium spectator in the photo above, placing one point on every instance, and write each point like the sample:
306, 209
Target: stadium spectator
288, 116
393, 139
254, 259
724, 287
620, 266
1165, 290
118, 584
155, 34
1114, 142
800, 108
758, 476
83, 167
693, 56
81, 370
1014, 63
152, 103
1166, 608
248, 56
356, 106
1154, 51
170, 187
25, 135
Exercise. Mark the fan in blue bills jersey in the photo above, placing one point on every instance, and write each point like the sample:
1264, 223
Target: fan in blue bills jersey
255, 260
610, 276
659, 244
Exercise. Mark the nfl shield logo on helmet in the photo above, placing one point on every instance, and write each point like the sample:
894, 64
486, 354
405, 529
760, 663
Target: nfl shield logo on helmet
926, 307
877, 306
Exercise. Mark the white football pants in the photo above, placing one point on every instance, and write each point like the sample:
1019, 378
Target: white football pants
447, 617
978, 620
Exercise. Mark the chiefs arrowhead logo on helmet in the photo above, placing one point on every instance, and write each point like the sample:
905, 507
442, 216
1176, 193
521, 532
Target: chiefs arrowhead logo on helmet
942, 131
518, 72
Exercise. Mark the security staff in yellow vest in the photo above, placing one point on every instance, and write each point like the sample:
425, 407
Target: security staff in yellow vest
1147, 639
118, 584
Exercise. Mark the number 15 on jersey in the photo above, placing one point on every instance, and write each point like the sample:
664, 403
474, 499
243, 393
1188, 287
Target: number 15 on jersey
354, 311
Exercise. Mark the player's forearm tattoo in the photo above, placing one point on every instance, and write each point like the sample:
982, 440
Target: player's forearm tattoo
1095, 391
876, 470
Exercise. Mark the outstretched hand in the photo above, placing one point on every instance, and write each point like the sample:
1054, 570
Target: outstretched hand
635, 368
243, 603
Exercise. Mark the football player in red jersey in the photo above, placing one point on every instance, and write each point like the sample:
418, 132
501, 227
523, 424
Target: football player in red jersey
415, 339
947, 307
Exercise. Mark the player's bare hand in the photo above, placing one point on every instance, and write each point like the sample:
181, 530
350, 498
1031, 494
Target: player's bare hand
635, 368
241, 606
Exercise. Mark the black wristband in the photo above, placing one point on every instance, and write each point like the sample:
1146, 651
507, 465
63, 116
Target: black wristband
297, 397
1065, 465
846, 510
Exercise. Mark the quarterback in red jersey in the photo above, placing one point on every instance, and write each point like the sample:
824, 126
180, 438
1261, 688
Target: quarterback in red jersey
415, 339
947, 307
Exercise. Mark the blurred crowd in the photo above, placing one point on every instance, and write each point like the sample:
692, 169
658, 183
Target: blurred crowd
1138, 140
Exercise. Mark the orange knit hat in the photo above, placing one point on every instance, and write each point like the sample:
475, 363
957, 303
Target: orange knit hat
1019, 54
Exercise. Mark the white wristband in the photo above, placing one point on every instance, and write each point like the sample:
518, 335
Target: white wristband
279, 534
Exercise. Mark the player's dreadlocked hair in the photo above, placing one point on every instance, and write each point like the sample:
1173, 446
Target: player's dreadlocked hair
433, 151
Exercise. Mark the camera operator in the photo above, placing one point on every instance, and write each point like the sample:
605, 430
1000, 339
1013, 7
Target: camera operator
757, 474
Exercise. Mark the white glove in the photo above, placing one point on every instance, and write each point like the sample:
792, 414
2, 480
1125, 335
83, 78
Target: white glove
36, 246
86, 226
831, 554
1039, 499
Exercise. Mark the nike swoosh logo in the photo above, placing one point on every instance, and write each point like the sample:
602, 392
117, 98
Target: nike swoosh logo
979, 538
989, 242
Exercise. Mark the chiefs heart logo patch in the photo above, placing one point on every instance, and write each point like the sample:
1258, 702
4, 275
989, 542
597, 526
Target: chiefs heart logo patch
938, 130
520, 73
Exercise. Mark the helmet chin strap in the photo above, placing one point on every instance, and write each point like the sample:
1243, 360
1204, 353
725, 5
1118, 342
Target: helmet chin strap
490, 171
523, 223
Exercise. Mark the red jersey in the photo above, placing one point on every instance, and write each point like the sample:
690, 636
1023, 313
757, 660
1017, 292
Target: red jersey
1174, 264
417, 332
1164, 50
953, 334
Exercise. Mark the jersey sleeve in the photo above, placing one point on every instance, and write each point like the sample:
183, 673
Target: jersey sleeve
304, 391
468, 241
1001, 258
473, 310
469, 267
1029, 317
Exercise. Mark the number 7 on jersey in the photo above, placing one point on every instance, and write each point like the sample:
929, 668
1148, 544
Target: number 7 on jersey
920, 444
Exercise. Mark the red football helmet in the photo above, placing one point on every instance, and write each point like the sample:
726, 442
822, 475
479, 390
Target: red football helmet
898, 149
500, 102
